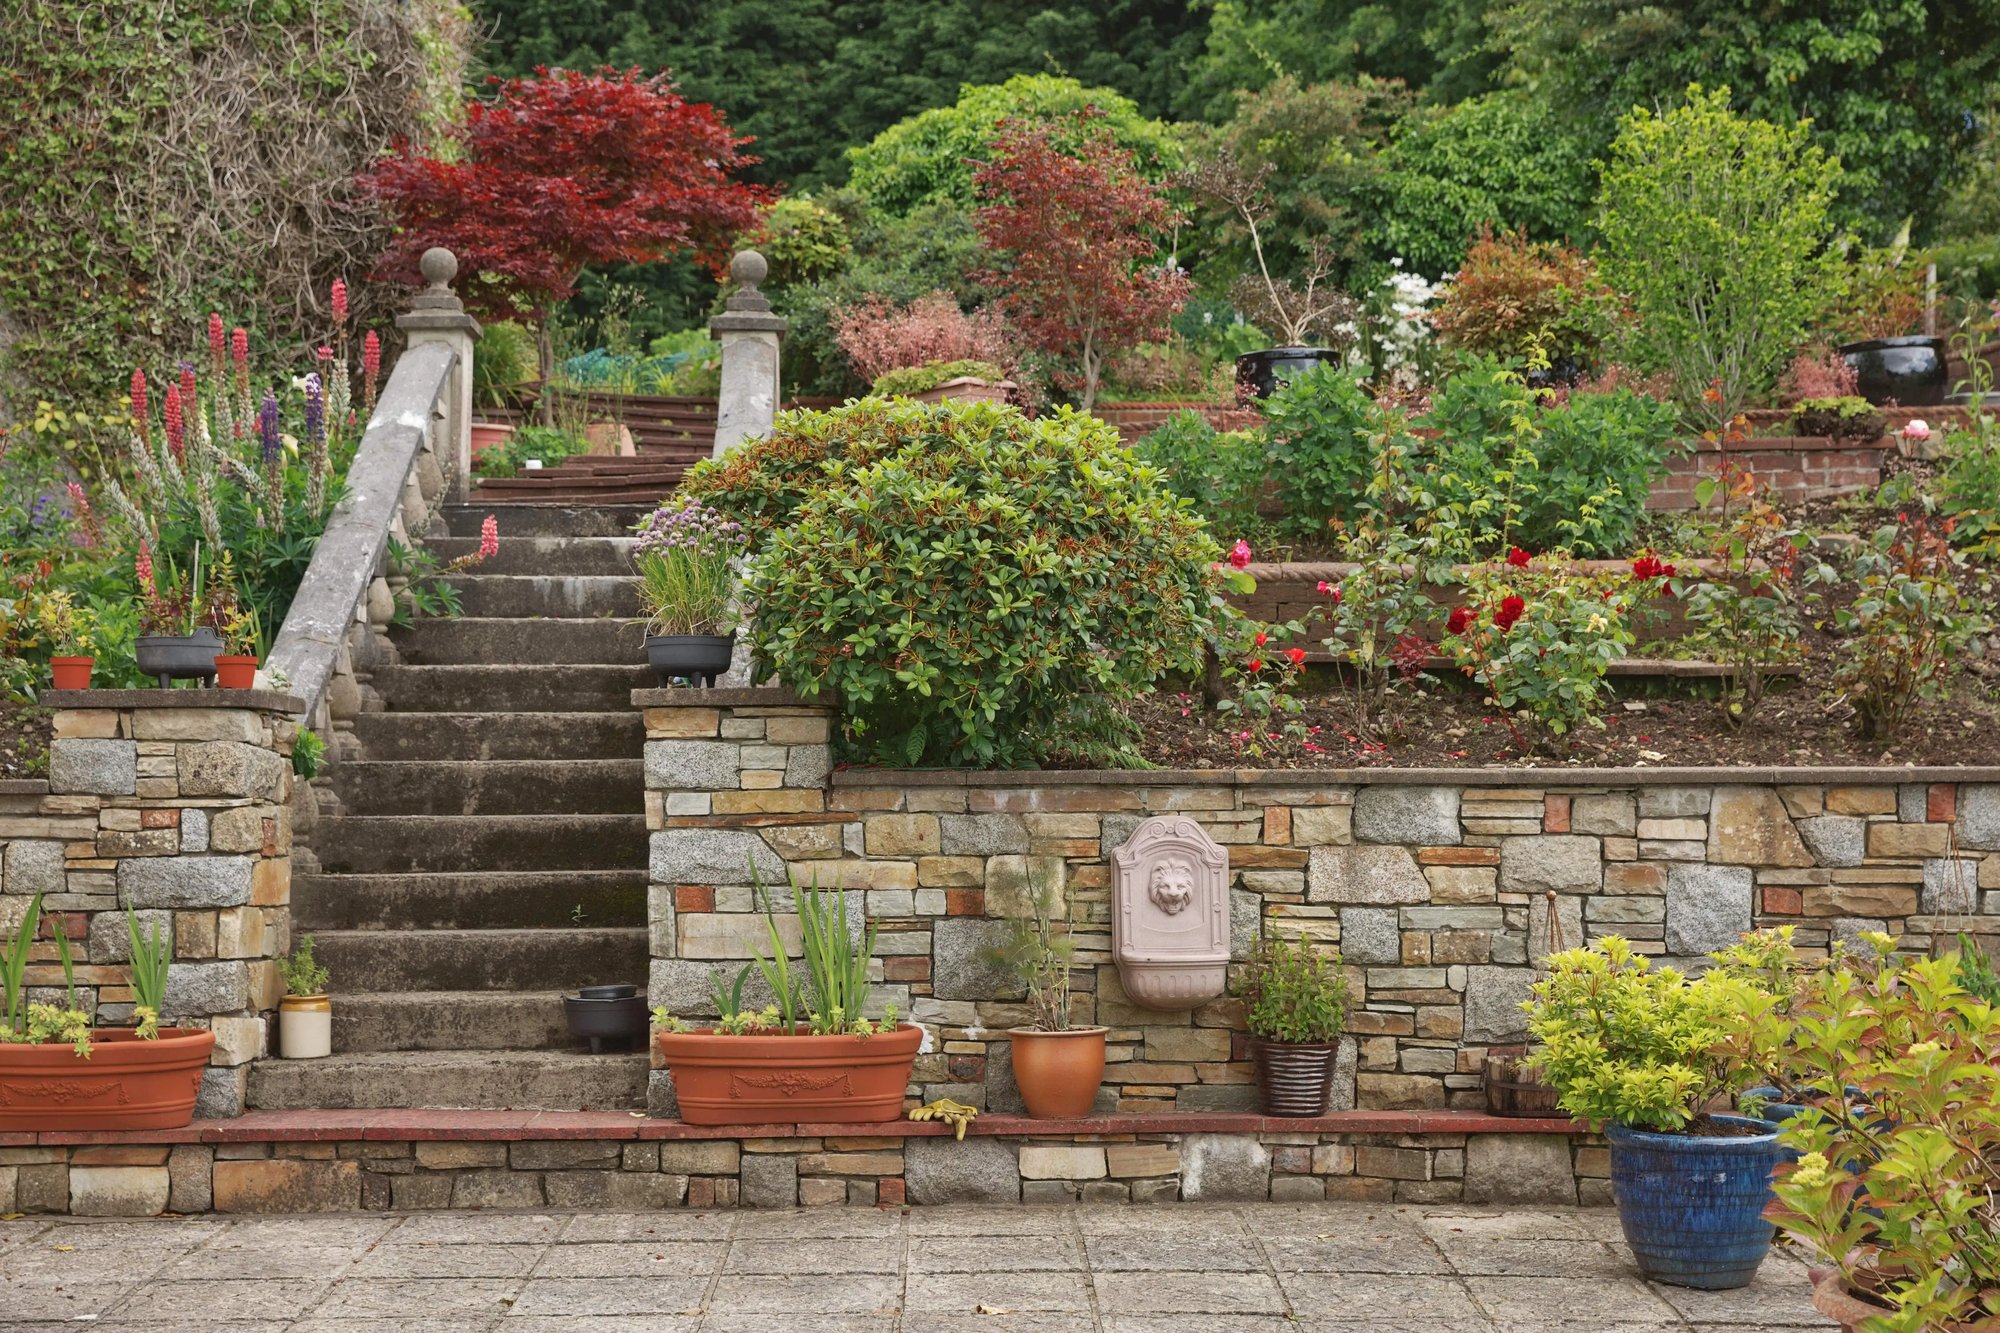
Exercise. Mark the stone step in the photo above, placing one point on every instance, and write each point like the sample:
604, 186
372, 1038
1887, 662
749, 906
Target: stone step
548, 556
512, 688
488, 900
470, 640
501, 736
387, 844
489, 960
584, 520
560, 596
472, 1080
450, 1021
580, 488
555, 785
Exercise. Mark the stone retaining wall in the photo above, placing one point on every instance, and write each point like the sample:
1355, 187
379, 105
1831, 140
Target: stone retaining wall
177, 803
1435, 886
342, 1174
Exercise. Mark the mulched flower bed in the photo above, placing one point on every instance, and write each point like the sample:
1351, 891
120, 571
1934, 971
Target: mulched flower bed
24, 740
1653, 725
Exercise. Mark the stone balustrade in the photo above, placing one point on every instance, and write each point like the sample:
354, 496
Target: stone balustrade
179, 804
1439, 887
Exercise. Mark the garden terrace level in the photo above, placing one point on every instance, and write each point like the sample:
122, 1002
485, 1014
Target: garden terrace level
1439, 887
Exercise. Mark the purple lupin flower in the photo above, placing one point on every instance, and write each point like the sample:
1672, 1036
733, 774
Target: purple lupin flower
267, 426
315, 411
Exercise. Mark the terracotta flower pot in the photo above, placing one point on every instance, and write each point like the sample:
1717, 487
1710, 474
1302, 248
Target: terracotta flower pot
770, 1079
488, 434
1058, 1072
305, 1027
71, 673
235, 672
125, 1084
1836, 1302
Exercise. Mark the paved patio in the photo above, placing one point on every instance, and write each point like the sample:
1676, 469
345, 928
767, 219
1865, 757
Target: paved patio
1179, 1269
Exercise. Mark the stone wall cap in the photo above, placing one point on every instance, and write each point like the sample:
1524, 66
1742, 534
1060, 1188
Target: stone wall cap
1552, 778
24, 786
273, 701
756, 696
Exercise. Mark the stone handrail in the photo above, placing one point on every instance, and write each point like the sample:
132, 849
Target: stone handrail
413, 457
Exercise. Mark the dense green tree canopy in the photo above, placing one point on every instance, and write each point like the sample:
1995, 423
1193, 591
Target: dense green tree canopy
811, 78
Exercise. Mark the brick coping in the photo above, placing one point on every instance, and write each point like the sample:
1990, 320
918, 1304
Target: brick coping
275, 701
403, 1126
1553, 778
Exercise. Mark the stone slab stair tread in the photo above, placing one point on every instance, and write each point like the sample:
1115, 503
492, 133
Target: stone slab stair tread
500, 960
477, 1080
484, 899
445, 1020
498, 736
362, 844
583, 687
491, 787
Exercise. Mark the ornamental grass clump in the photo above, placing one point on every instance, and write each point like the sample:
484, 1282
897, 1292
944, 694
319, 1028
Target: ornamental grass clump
985, 594
685, 556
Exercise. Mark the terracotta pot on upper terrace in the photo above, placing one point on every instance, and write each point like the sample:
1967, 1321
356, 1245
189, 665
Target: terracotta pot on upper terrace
1058, 1073
71, 673
125, 1084
235, 671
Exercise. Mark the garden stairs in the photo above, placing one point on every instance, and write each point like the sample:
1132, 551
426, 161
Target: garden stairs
669, 434
487, 851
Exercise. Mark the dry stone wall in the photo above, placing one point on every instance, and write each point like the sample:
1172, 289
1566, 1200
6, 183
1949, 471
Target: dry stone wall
177, 803
1440, 889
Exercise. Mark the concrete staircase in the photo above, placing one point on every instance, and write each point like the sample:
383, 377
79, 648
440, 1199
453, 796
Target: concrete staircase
488, 850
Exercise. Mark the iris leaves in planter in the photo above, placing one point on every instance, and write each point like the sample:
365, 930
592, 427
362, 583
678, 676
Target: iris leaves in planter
152, 955
32, 1024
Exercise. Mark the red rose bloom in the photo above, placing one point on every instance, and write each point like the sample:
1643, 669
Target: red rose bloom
1298, 656
1511, 609
1518, 558
1461, 619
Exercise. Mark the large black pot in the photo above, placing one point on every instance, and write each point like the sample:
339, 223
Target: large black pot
1294, 1077
614, 1016
1909, 372
171, 657
698, 657
1262, 372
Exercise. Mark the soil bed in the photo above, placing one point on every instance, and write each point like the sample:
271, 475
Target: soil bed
1803, 722
24, 740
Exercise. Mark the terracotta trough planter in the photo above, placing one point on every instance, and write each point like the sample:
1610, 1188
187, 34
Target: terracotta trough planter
125, 1084
765, 1079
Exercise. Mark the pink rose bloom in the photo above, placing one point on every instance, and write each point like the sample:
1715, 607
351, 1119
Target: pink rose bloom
1239, 554
1917, 429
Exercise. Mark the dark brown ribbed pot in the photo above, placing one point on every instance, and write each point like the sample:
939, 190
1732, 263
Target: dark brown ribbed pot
1293, 1077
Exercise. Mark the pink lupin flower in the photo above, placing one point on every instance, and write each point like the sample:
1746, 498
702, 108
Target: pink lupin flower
215, 339
371, 366
339, 301
189, 402
142, 565
176, 423
79, 503
139, 408
326, 354
489, 538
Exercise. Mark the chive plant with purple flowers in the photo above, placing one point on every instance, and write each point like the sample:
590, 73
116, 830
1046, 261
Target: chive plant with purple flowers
685, 557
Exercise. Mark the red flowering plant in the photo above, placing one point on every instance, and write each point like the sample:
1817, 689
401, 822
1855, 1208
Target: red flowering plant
1539, 637
1748, 611
1259, 673
1908, 625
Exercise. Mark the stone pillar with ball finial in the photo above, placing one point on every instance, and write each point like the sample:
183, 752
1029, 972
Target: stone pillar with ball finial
438, 316
749, 332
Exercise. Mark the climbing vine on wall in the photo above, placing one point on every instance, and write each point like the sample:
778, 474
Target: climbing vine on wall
170, 157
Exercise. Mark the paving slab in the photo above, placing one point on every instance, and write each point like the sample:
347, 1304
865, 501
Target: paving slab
1214, 1268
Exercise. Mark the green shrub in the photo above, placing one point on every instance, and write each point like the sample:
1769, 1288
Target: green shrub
1574, 475
1970, 483
1322, 430
1292, 991
1716, 227
1219, 473
979, 594
550, 444
1513, 297
912, 380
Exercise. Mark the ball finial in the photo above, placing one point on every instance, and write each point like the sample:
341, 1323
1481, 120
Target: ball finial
748, 269
439, 266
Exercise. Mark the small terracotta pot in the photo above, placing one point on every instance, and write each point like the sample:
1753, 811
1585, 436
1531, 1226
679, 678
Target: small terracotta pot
489, 434
305, 1027
125, 1084
234, 672
71, 673
772, 1079
1058, 1073
1836, 1302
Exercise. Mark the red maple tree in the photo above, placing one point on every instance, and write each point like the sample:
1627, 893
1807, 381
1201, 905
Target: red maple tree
562, 171
1078, 226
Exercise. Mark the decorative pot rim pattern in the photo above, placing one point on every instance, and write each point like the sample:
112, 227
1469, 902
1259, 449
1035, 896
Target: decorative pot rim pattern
1066, 1032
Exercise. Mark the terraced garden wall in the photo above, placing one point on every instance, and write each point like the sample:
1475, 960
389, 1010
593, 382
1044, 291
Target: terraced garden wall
1439, 887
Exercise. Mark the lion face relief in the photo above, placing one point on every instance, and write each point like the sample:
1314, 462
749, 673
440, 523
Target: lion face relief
1172, 886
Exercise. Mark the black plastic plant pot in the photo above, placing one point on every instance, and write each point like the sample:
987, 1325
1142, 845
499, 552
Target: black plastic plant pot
171, 657
1294, 1077
690, 657
1906, 372
1262, 373
608, 1017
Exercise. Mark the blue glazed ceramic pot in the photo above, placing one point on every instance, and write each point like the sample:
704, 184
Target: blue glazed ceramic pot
1692, 1207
